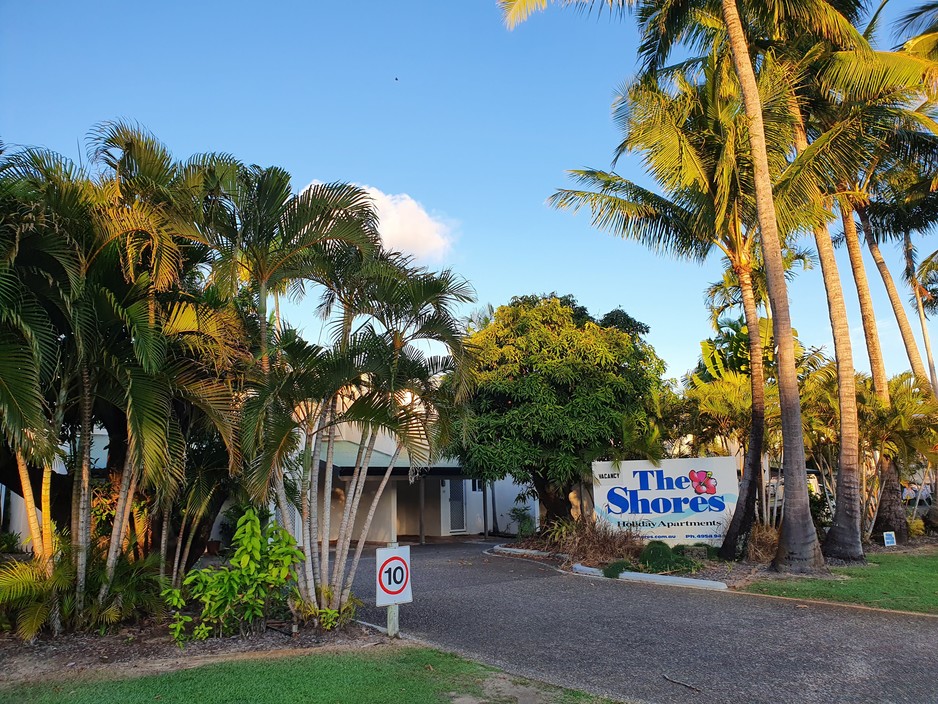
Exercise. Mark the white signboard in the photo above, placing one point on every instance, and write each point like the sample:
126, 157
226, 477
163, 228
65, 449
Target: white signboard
683, 501
392, 578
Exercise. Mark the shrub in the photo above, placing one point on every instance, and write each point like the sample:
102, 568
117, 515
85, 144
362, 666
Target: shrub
240, 597
614, 569
658, 557
559, 531
10, 543
820, 512
596, 543
522, 517
36, 597
916, 527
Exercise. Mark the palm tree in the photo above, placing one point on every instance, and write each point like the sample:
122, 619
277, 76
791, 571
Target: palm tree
661, 28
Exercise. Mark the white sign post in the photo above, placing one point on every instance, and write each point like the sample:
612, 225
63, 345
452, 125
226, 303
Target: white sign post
392, 581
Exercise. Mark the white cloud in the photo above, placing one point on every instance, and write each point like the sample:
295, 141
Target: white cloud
406, 225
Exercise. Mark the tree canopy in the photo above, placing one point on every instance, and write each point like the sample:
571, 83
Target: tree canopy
552, 394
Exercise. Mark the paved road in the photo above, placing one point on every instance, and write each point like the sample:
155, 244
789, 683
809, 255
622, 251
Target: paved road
622, 640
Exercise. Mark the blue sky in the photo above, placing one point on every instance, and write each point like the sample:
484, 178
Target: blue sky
462, 127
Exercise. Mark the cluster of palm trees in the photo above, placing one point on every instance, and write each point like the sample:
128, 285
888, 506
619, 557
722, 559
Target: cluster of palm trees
784, 119
134, 305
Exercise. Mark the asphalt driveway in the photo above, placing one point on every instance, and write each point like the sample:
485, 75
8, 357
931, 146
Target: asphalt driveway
658, 644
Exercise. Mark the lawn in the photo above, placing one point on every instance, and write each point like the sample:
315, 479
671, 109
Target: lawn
905, 582
406, 675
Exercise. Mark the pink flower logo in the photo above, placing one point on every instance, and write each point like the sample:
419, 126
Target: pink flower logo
703, 482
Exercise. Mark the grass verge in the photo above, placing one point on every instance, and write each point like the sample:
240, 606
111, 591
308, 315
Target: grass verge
412, 675
900, 582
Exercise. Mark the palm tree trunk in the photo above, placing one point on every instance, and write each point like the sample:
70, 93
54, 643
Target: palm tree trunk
180, 543
262, 323
867, 314
844, 540
314, 523
83, 535
185, 553
306, 583
121, 519
343, 545
905, 329
744, 515
32, 519
164, 537
917, 290
346, 587
46, 499
327, 497
890, 516
798, 548
889, 513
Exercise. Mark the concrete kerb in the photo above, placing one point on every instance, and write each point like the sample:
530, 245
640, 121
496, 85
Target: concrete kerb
521, 552
579, 569
665, 579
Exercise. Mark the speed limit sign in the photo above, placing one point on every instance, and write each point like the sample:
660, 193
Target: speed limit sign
393, 576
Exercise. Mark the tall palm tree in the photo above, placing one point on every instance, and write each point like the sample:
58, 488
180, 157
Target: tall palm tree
662, 27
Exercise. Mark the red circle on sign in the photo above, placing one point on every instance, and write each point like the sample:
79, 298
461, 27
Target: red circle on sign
406, 575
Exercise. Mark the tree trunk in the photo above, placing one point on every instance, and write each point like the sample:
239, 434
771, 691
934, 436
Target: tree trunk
844, 540
327, 497
164, 537
744, 515
553, 501
898, 308
32, 519
867, 314
346, 587
314, 519
798, 548
121, 519
180, 543
344, 543
262, 323
891, 513
83, 536
48, 548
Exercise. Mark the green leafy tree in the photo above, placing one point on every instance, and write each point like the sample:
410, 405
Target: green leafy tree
551, 396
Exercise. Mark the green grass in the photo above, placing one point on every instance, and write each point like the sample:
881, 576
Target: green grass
405, 675
899, 582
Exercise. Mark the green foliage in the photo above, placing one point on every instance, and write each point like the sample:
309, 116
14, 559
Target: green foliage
39, 596
614, 569
11, 543
916, 527
551, 395
558, 531
658, 557
521, 516
820, 511
240, 597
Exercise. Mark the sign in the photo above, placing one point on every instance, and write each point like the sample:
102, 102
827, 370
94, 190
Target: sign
889, 539
392, 578
684, 501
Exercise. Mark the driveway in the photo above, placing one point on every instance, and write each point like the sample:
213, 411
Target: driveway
658, 644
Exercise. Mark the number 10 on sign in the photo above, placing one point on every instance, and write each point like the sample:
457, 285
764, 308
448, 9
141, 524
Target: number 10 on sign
392, 578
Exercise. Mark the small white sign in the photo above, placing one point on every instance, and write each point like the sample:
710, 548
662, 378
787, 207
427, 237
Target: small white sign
889, 538
392, 578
